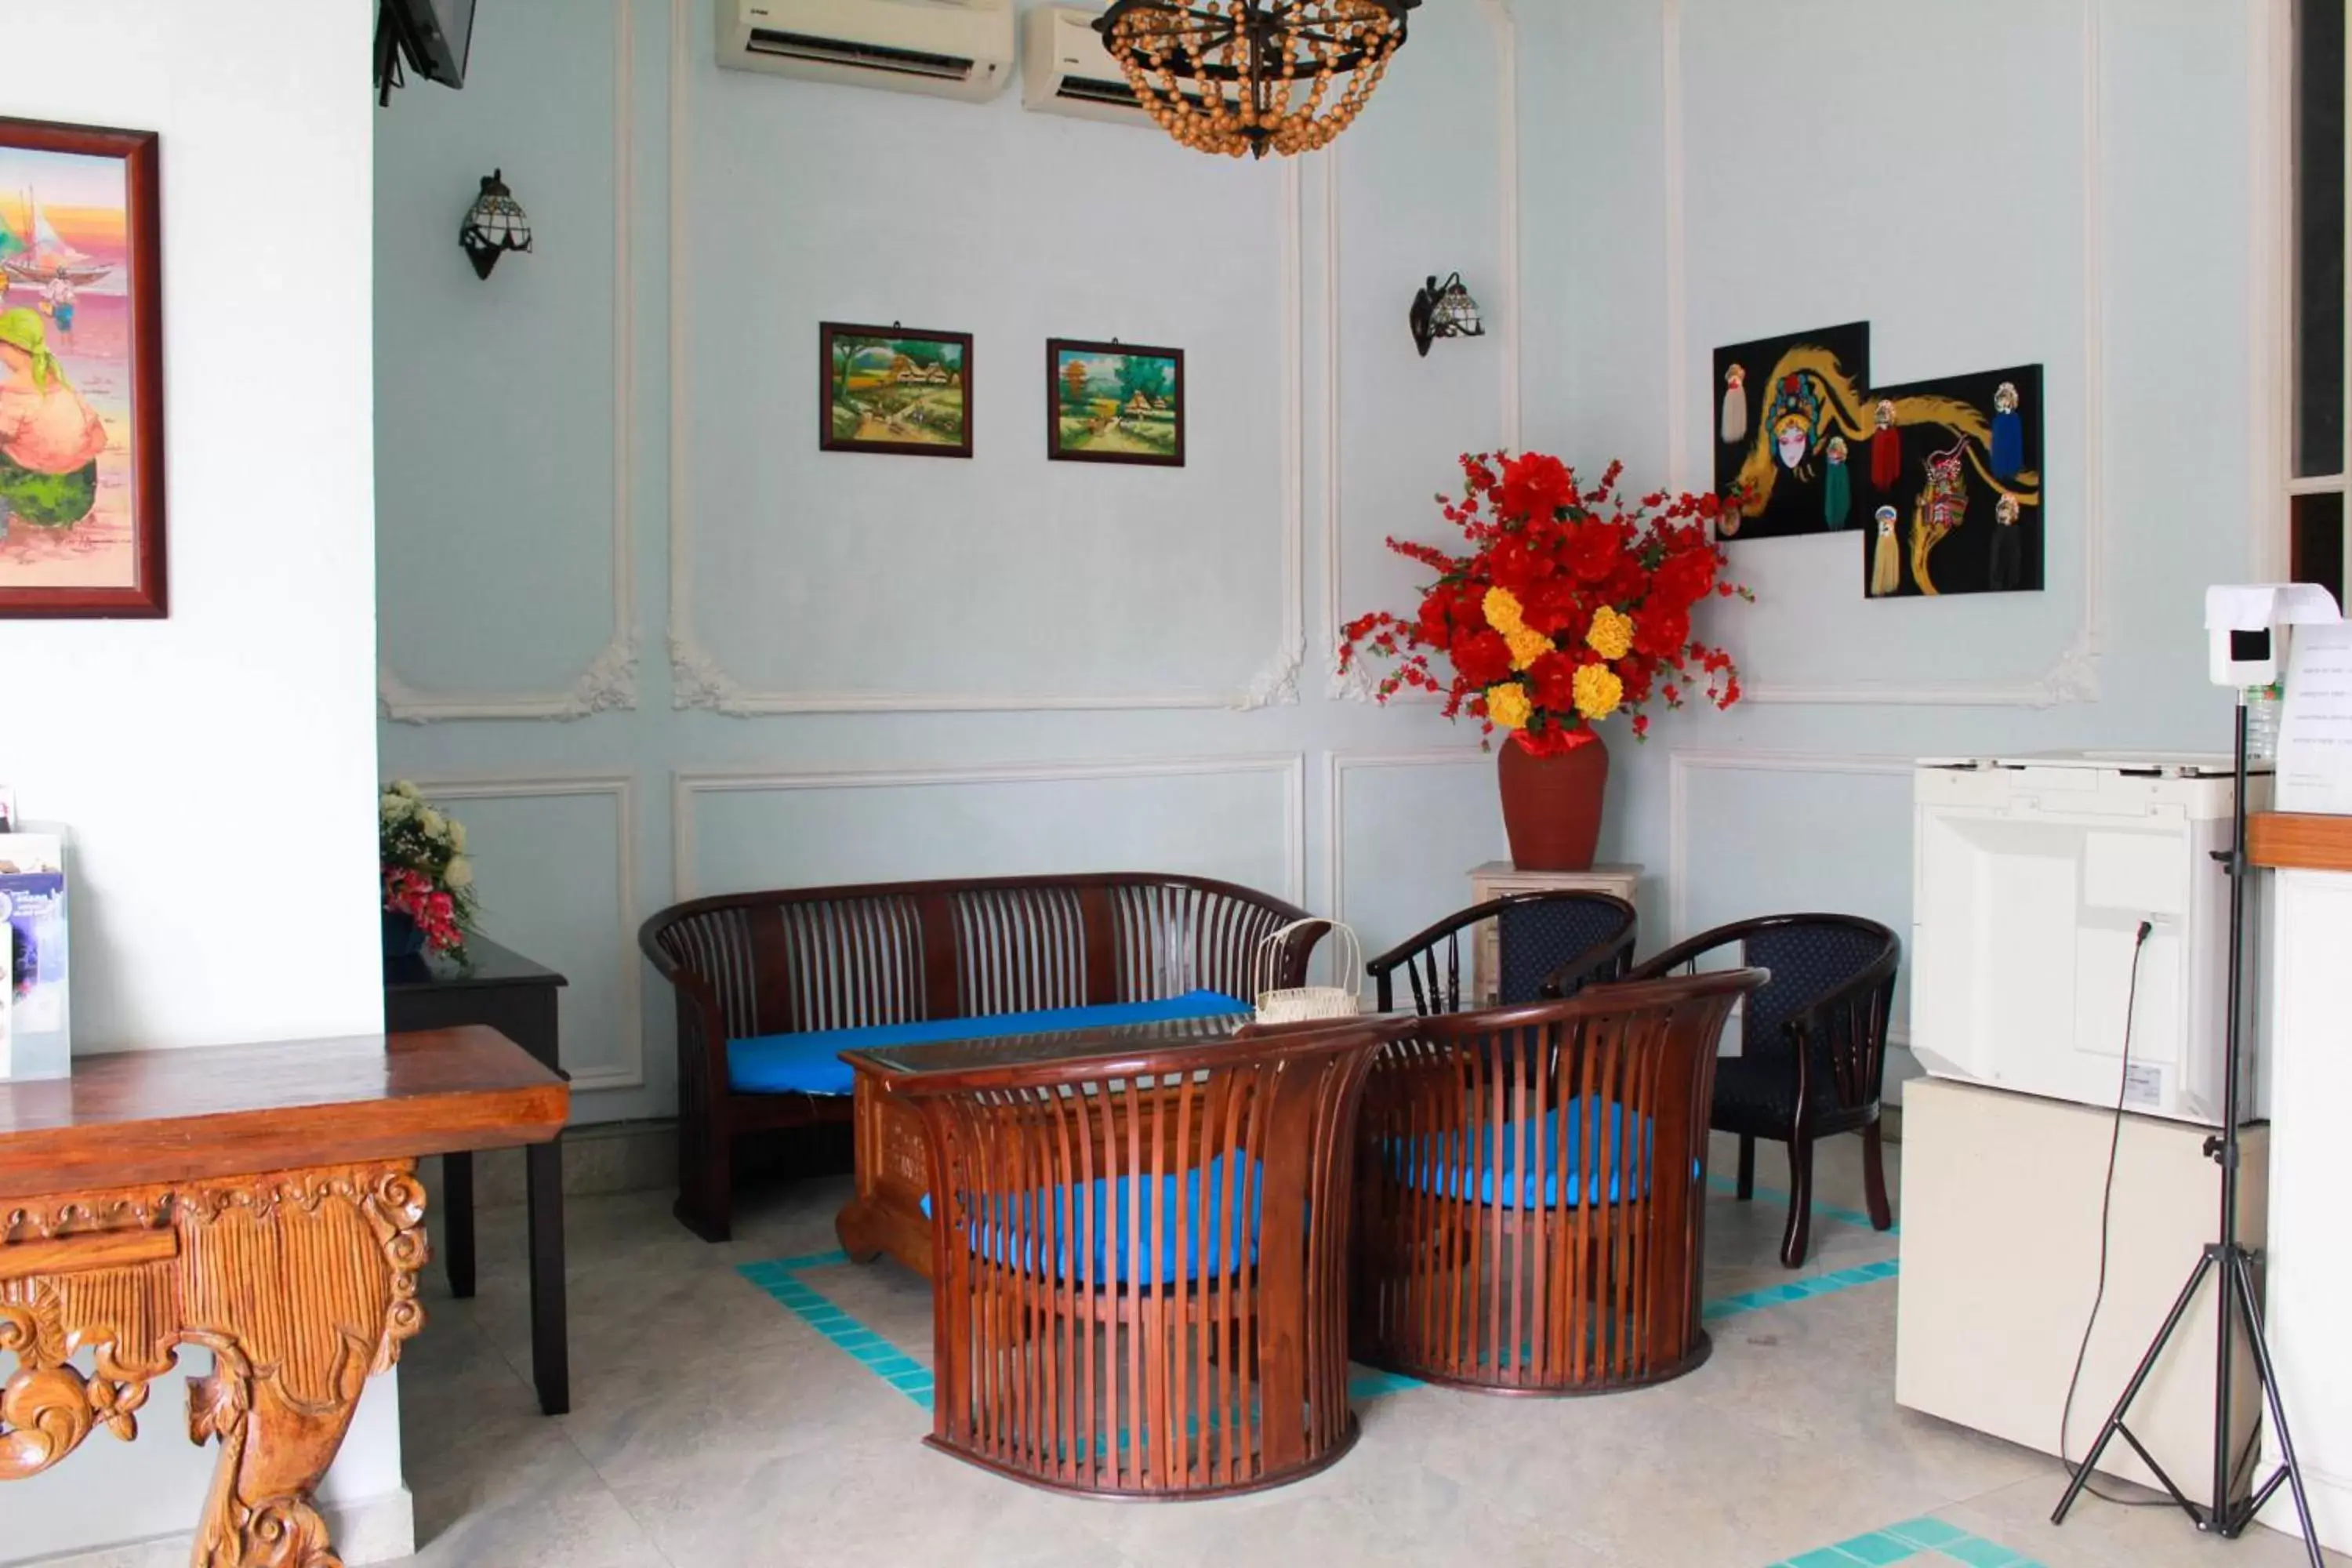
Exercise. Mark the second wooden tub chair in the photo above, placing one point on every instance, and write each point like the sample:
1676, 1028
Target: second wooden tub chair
1531, 1190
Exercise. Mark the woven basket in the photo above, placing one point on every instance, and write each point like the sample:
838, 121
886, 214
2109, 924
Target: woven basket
1301, 1004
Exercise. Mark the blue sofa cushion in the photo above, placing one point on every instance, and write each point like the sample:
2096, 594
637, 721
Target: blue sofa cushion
1442, 1162
810, 1063
1128, 1223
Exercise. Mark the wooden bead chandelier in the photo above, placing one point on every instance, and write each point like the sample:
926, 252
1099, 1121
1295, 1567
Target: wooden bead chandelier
1255, 76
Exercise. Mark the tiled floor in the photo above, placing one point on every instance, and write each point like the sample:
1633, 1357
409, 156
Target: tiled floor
772, 1415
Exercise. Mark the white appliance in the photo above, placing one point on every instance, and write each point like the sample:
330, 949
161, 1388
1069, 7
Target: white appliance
1065, 70
951, 48
2030, 877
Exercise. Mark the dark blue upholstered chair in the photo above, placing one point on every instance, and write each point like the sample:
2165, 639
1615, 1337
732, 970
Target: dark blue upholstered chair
1551, 945
1812, 1048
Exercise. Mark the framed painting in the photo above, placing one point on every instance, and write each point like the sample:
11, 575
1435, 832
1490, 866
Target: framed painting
1785, 414
1114, 403
81, 372
893, 389
1961, 509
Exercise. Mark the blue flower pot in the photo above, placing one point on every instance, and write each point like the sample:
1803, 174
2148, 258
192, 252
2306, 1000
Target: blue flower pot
403, 937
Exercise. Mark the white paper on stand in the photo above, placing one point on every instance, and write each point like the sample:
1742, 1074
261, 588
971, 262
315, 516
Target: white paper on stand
2314, 745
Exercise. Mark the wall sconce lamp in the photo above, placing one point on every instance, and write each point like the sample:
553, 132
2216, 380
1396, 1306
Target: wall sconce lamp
1444, 310
494, 224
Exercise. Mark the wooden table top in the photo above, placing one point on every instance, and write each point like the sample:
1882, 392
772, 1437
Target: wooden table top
170, 1116
1101, 1040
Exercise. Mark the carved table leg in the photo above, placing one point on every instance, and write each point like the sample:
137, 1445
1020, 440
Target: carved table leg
260, 1513
303, 1284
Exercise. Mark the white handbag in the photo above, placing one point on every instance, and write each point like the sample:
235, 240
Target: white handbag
1301, 1004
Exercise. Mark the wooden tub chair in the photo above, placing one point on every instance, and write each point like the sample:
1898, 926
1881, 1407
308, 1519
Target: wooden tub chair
772, 986
1531, 1194
1547, 945
1138, 1273
1812, 1048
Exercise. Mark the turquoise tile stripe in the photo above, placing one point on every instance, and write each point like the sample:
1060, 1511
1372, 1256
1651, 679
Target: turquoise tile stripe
1773, 1195
779, 1278
1921, 1542
1800, 1288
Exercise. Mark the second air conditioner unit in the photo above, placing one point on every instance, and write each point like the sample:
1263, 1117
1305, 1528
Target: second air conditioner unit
1065, 70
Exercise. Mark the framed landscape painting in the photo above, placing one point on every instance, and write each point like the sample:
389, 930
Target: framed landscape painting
1114, 403
81, 372
892, 389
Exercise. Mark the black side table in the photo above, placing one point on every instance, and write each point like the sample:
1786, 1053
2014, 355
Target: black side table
500, 988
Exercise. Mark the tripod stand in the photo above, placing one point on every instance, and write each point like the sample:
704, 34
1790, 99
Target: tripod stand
2232, 1268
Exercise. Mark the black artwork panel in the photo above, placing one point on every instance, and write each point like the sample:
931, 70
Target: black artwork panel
1961, 448
1797, 415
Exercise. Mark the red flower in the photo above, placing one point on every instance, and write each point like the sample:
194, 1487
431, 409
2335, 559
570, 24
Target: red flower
1535, 486
1482, 660
1551, 679
1596, 549
1661, 633
1682, 578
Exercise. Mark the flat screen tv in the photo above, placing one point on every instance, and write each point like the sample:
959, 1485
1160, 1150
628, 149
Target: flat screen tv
430, 37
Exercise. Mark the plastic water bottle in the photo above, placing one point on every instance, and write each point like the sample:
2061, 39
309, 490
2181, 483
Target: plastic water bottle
2263, 723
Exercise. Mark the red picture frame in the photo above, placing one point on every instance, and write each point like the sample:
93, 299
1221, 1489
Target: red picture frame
45, 251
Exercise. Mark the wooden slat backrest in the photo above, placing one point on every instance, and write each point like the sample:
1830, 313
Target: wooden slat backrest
832, 958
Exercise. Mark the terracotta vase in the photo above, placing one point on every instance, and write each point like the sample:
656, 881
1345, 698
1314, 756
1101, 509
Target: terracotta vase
1551, 805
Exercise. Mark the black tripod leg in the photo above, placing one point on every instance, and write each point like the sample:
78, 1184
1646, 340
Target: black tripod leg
2242, 1286
2131, 1390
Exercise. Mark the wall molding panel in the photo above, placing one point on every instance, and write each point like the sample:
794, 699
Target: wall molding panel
1356, 685
687, 786
610, 681
1682, 764
698, 680
2074, 676
628, 1026
1337, 765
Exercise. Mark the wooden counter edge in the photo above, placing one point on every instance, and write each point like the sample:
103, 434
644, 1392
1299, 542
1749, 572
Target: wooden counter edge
66, 1159
2299, 841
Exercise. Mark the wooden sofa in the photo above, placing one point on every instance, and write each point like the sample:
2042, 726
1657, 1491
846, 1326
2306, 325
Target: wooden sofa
799, 960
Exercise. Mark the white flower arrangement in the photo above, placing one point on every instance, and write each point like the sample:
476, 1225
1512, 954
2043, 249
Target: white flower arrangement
426, 875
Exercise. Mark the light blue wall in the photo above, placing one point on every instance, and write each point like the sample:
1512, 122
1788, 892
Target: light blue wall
958, 611
1987, 185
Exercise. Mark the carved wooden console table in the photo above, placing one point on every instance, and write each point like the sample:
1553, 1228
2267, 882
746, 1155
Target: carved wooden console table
258, 1201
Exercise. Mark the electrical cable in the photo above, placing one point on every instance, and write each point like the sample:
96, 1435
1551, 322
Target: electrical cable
2106, 1208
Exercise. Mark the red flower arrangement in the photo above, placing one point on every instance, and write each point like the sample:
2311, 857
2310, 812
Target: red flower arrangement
1571, 605
412, 893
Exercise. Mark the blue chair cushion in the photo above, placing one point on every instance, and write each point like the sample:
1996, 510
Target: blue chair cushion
1438, 1161
1128, 1223
810, 1063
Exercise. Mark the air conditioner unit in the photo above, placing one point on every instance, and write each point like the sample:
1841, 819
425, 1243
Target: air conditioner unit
951, 49
1065, 70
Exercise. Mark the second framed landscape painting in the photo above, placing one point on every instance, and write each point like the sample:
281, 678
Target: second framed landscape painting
1114, 403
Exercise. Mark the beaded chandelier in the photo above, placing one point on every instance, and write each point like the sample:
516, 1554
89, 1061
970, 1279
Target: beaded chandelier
1253, 76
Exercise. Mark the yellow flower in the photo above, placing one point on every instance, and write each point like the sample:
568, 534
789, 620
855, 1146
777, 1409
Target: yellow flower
1503, 611
1508, 705
1611, 636
1598, 691
1527, 645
